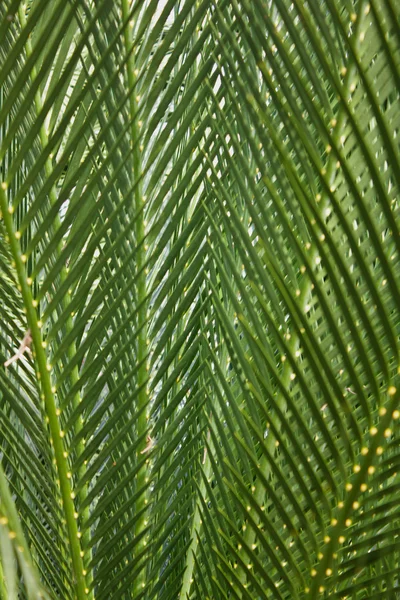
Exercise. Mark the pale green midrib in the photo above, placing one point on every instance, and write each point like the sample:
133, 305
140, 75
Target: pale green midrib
190, 562
305, 290
3, 589
11, 520
141, 295
195, 531
74, 375
196, 520
43, 376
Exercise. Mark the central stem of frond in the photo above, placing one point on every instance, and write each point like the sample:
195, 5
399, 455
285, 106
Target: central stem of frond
141, 299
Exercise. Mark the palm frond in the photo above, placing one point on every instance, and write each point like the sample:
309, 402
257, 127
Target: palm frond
200, 238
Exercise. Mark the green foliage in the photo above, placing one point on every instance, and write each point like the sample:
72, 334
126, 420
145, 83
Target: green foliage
199, 247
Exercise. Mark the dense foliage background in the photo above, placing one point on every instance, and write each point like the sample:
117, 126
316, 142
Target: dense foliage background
199, 254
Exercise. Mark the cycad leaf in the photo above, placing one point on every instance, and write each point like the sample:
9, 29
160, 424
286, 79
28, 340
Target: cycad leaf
200, 242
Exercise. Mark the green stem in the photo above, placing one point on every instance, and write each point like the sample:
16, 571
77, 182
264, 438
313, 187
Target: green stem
43, 375
74, 376
141, 295
3, 589
196, 522
10, 518
193, 547
190, 561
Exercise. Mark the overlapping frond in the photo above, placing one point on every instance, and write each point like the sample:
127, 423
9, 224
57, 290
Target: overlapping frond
199, 241
315, 335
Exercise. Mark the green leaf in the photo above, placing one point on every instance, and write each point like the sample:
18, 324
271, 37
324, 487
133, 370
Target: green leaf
199, 240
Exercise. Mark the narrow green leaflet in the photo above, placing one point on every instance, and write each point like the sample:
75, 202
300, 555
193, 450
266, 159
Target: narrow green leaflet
199, 299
